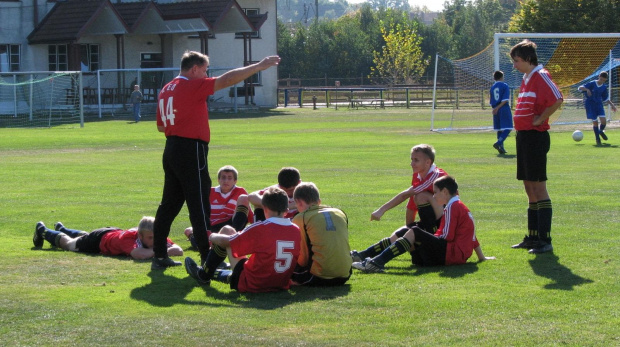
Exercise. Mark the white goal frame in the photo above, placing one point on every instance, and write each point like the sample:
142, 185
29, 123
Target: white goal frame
497, 58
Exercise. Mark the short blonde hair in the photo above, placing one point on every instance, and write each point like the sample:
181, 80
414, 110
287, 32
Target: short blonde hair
427, 150
146, 225
307, 192
228, 168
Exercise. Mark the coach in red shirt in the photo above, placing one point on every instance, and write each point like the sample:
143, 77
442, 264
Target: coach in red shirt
183, 117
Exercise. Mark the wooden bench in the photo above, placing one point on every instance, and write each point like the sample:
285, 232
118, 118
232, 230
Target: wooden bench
367, 102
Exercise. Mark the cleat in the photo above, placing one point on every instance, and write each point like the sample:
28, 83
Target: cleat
541, 247
368, 266
603, 135
193, 270
58, 226
356, 257
527, 243
224, 266
37, 239
598, 143
499, 148
161, 264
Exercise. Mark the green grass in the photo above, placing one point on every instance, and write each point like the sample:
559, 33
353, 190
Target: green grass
109, 173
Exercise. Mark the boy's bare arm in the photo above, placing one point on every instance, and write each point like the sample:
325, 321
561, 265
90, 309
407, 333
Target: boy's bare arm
481, 256
220, 240
175, 250
538, 120
395, 201
142, 253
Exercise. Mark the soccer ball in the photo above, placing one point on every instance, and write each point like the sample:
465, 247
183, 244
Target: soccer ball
577, 135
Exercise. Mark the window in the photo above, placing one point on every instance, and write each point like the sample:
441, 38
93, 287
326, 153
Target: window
58, 58
255, 79
250, 12
89, 57
9, 57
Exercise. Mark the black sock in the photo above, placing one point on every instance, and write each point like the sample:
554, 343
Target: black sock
532, 220
545, 214
375, 249
52, 236
215, 257
399, 247
259, 214
240, 218
428, 219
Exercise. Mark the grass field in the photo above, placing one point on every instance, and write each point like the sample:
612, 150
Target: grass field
109, 173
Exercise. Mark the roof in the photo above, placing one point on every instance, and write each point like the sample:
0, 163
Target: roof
69, 20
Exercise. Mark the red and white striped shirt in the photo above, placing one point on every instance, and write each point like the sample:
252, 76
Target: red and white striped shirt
537, 92
422, 184
223, 205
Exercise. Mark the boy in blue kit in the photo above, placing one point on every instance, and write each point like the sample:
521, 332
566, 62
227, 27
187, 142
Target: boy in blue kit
596, 96
502, 116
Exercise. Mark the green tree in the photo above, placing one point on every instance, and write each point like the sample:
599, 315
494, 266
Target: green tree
401, 60
568, 16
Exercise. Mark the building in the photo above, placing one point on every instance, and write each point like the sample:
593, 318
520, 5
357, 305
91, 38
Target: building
99, 35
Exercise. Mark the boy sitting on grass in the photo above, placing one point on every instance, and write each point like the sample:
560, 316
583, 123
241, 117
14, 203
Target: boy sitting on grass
273, 244
453, 243
421, 200
137, 243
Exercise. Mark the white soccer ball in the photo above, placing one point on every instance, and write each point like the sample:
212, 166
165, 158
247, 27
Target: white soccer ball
577, 135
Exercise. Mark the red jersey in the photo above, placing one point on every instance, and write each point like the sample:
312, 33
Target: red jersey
121, 242
274, 245
291, 212
183, 108
424, 184
537, 92
457, 228
223, 205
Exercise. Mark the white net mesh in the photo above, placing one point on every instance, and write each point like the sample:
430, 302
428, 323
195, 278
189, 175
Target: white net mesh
463, 85
39, 99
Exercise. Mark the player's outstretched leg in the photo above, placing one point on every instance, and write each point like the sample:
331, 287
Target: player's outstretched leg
196, 272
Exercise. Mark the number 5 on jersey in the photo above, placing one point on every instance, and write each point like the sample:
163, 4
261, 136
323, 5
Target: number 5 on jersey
284, 259
166, 110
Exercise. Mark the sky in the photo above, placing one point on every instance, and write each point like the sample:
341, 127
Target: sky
433, 5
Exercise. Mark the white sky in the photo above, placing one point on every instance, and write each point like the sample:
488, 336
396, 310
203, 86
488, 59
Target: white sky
433, 5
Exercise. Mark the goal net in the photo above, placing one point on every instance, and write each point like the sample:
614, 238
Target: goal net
462, 86
40, 99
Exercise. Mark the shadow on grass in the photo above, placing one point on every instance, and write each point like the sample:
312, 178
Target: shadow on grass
506, 156
454, 271
547, 265
166, 291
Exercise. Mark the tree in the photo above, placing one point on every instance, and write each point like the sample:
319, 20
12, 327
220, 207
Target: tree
401, 60
566, 16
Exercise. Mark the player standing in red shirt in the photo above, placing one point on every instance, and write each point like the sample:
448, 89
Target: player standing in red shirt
452, 244
273, 246
539, 98
183, 117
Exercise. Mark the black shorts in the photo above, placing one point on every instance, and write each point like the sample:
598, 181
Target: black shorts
429, 250
532, 148
90, 243
303, 276
234, 278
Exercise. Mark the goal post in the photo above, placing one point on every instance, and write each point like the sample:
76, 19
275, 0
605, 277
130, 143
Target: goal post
41, 98
572, 60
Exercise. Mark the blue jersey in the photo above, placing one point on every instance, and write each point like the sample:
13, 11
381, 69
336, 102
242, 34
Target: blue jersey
599, 93
499, 92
